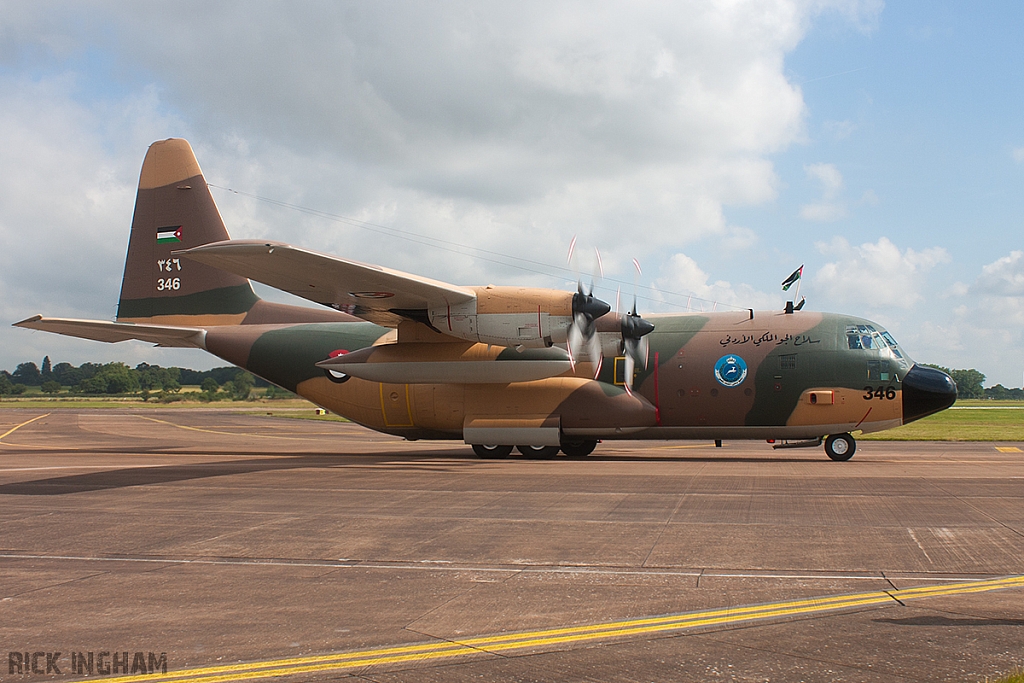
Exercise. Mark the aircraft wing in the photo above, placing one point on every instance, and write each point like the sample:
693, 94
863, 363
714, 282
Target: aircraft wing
106, 331
377, 294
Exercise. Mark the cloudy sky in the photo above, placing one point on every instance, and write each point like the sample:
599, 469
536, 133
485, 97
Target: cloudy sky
720, 143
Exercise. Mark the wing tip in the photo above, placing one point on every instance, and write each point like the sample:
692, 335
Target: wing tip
26, 321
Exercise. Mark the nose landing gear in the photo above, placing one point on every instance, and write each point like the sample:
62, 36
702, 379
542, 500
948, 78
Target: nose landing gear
840, 447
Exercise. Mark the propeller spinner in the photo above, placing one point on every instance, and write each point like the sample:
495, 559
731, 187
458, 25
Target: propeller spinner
634, 332
586, 308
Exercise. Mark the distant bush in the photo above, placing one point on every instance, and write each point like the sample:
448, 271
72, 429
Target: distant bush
274, 393
113, 378
1001, 393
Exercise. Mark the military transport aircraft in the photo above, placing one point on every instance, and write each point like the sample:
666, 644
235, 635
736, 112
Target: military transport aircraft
498, 367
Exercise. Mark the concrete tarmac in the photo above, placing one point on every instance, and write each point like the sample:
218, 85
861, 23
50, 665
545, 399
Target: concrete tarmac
241, 547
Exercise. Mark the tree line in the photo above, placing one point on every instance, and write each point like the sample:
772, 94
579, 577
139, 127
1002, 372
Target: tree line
144, 379
970, 384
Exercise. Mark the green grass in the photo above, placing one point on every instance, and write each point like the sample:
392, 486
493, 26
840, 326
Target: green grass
1017, 677
101, 402
38, 402
968, 420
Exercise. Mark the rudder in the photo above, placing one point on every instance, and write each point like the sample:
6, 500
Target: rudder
175, 210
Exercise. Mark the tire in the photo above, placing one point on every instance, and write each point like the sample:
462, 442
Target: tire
491, 452
578, 449
538, 452
840, 447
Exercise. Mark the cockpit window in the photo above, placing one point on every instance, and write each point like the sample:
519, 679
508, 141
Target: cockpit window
862, 337
892, 344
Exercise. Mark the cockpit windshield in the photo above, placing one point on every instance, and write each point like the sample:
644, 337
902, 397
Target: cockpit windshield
862, 337
892, 344
866, 337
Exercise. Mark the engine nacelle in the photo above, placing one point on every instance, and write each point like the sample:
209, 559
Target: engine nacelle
509, 316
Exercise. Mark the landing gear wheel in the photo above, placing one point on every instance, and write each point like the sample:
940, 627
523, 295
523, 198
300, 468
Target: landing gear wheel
491, 452
578, 449
840, 447
538, 452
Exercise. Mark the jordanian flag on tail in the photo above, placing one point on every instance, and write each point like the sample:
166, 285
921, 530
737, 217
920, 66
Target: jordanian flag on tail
788, 282
171, 234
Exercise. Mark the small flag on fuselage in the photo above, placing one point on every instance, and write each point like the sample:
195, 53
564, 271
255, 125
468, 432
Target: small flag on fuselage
169, 234
788, 282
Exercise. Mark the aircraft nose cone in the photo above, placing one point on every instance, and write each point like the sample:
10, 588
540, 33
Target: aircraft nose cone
926, 391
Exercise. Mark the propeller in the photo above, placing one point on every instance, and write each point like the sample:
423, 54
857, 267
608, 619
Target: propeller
634, 336
586, 308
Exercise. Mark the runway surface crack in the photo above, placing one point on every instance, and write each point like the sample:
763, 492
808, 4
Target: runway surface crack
55, 585
671, 516
980, 511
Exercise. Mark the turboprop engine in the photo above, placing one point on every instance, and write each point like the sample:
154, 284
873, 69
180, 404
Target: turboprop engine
518, 316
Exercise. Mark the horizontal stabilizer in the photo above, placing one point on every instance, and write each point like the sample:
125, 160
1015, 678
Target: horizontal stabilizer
377, 294
106, 331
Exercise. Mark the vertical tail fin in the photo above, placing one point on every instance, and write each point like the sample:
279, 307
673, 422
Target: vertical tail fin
174, 210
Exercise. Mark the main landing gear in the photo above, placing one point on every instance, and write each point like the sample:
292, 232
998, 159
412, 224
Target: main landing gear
491, 452
840, 447
573, 449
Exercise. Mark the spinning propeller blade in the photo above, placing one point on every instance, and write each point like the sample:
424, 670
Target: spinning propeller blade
634, 336
586, 308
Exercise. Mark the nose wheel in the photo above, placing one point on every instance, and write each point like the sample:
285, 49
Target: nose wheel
840, 447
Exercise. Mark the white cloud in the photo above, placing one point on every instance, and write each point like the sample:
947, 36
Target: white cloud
980, 325
869, 198
839, 130
862, 14
683, 276
823, 212
829, 176
995, 300
1018, 154
1003, 277
508, 127
829, 208
875, 276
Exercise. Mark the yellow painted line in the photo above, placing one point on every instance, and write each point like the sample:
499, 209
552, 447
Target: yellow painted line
17, 427
1001, 449
41, 448
213, 431
572, 634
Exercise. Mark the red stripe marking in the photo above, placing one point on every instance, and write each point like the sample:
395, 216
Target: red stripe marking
862, 419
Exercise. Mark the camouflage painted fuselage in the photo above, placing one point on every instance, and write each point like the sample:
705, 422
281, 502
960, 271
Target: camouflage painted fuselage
792, 376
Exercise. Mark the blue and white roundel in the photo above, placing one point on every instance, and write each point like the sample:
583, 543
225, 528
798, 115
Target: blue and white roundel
730, 370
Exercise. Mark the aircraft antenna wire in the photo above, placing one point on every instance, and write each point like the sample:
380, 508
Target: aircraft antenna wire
465, 249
